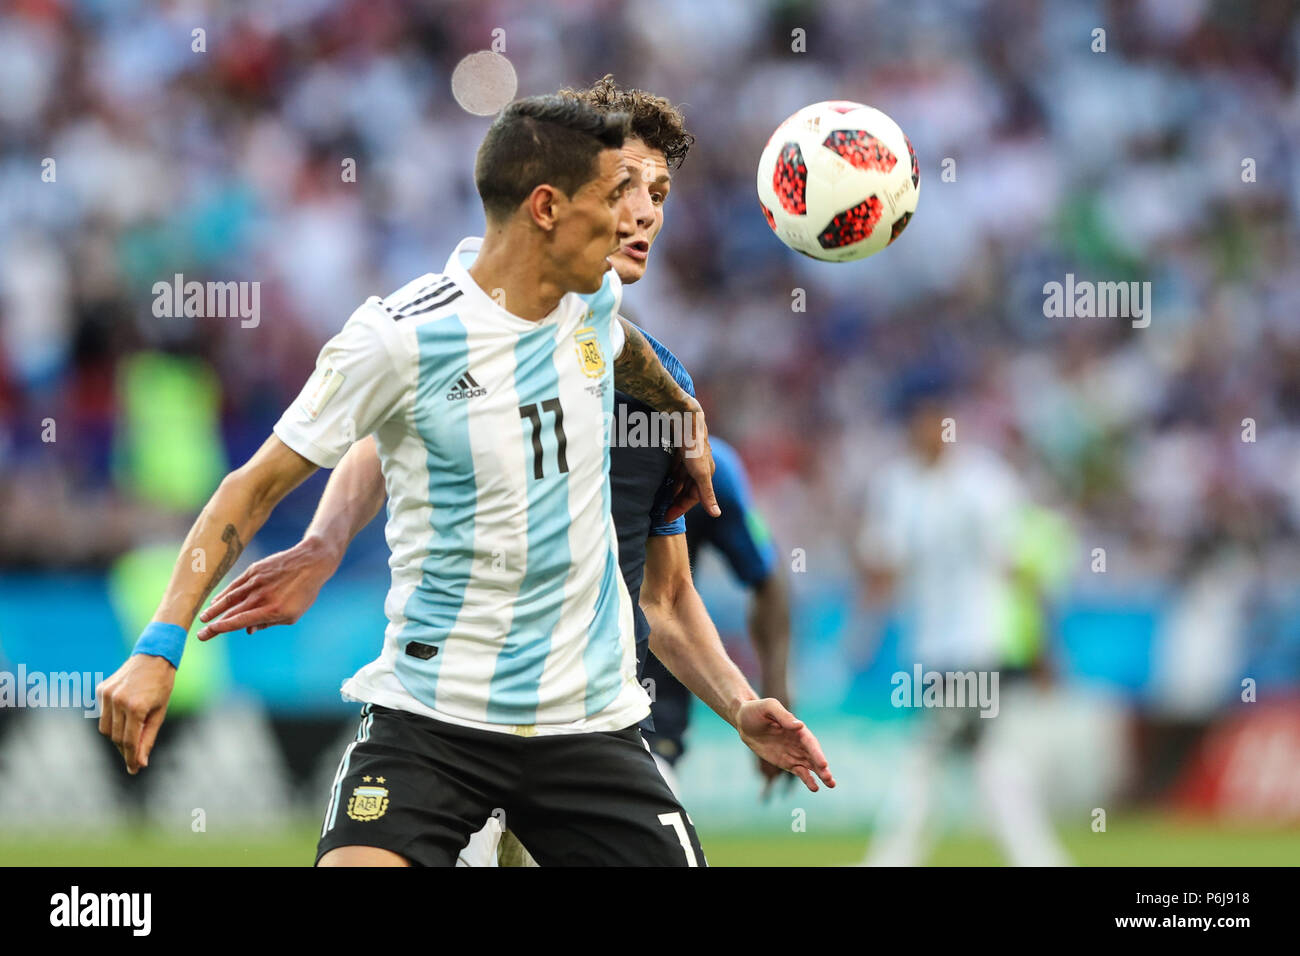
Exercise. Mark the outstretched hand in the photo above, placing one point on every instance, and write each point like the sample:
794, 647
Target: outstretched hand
781, 739
276, 590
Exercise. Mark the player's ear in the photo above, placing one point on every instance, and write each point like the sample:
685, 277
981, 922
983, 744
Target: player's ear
542, 205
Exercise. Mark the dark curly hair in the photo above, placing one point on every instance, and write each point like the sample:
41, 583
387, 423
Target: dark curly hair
654, 119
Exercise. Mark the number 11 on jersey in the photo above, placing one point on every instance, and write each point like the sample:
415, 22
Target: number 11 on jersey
533, 412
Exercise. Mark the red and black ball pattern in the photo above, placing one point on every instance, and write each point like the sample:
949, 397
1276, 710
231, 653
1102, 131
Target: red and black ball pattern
899, 225
852, 225
861, 149
916, 172
790, 180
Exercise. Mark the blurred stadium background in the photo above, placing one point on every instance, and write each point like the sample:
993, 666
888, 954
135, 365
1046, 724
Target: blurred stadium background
225, 165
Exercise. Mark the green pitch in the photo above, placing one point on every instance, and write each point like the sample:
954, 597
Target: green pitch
1128, 842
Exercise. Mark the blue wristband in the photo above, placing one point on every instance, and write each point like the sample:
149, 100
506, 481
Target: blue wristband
162, 640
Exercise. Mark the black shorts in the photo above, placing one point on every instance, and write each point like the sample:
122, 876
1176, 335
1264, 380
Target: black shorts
421, 787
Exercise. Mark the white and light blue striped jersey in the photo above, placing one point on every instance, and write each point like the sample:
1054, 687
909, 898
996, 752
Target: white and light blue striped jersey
507, 610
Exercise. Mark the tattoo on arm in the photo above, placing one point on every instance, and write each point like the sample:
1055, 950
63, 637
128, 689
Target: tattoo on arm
234, 548
639, 373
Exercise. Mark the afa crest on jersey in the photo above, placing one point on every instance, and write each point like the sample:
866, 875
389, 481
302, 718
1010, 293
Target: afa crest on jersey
588, 345
368, 803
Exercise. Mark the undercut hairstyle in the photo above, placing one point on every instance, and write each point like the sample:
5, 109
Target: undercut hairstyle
655, 120
542, 140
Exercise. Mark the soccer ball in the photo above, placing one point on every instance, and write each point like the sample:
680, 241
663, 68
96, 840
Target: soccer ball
838, 181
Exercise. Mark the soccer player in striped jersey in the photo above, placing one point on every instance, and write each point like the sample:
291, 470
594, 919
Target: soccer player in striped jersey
507, 678
279, 588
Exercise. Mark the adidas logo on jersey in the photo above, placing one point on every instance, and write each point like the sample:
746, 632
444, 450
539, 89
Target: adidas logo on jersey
465, 387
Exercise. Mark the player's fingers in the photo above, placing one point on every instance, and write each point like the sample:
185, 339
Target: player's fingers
257, 616
104, 695
130, 738
226, 594
238, 590
702, 472
119, 725
808, 779
148, 734
686, 499
229, 621
813, 749
209, 631
824, 774
118, 722
812, 756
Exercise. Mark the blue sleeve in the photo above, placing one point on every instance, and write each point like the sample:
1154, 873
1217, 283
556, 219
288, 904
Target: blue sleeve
740, 533
657, 523
664, 496
671, 363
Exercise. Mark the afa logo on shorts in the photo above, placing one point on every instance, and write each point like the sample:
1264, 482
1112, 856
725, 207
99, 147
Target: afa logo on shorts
368, 803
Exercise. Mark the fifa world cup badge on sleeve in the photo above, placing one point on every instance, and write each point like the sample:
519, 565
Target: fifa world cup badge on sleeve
327, 382
368, 802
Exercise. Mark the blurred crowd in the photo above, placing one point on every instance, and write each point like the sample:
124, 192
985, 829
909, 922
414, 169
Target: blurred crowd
1163, 149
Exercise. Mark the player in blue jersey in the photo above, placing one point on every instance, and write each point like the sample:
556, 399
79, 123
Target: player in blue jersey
499, 687
741, 537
